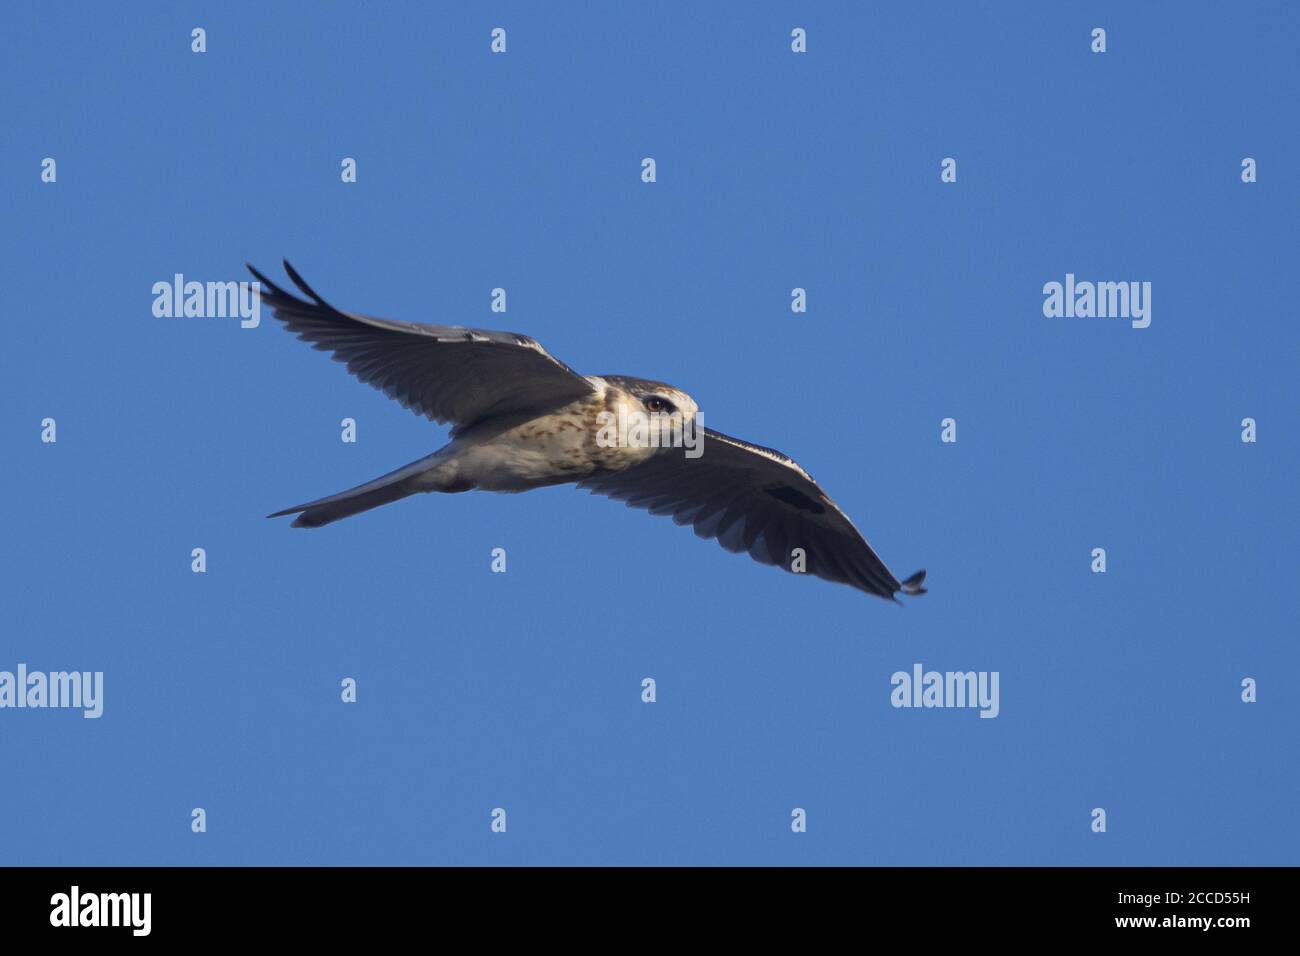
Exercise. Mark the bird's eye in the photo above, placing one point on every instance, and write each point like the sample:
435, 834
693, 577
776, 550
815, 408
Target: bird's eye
657, 404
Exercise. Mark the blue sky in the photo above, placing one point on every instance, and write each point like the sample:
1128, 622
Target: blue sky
774, 171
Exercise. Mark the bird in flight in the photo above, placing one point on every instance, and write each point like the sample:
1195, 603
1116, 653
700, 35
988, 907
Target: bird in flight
522, 419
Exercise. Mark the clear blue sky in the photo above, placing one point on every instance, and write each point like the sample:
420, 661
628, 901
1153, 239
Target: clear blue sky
479, 690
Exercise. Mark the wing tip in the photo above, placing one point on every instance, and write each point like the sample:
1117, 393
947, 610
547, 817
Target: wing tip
302, 285
915, 584
270, 291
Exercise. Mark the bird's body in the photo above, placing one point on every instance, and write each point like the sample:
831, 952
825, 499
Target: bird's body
554, 448
523, 420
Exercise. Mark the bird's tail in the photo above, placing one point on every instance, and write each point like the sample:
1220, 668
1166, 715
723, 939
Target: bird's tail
391, 487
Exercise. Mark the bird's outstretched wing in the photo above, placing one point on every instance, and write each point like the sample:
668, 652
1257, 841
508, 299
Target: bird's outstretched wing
443, 372
756, 500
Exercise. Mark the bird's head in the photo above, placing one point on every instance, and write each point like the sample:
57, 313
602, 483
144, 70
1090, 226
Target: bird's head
667, 410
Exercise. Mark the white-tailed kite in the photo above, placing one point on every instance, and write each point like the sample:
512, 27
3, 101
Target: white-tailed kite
522, 419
